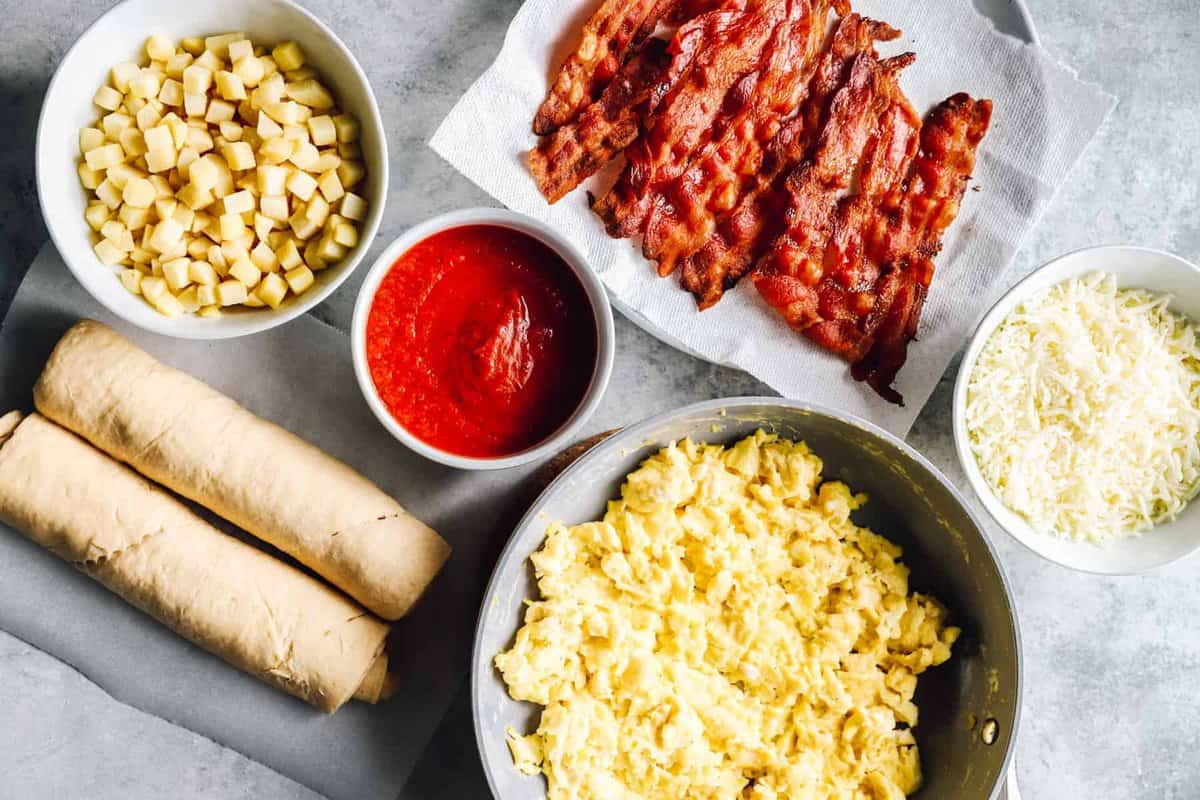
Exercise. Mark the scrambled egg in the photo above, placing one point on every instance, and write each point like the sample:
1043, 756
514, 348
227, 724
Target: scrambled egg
725, 632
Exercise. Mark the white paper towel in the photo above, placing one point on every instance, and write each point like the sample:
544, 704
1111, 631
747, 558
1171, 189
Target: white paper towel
1044, 117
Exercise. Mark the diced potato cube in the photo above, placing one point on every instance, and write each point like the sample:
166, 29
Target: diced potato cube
347, 127
311, 93
159, 48
302, 185
302, 226
288, 56
178, 128
350, 173
160, 160
90, 178
133, 218
219, 45
288, 255
195, 104
230, 86
199, 140
253, 301
248, 182
141, 258
305, 156
105, 156
145, 85
197, 249
231, 226
231, 293
167, 235
108, 253
153, 288
302, 74
346, 235
353, 207
138, 193
331, 186
209, 60
219, 110
349, 150
238, 202
177, 63
187, 156
206, 294
299, 279
276, 238
123, 73
231, 130
118, 234
171, 93
269, 90
159, 138
263, 257
204, 173
164, 207
175, 273
90, 139
286, 112
329, 250
131, 279
272, 290
184, 216
297, 133
216, 257
202, 272
114, 124
119, 174
168, 305
276, 151
328, 160
96, 215
208, 312
322, 130
250, 70
268, 128
263, 225
197, 79
107, 98
238, 156
272, 179
189, 299
133, 142
162, 186
274, 207
109, 194
317, 210
193, 45
239, 49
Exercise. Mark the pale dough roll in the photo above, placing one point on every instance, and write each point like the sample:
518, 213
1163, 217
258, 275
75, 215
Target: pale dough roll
259, 614
199, 443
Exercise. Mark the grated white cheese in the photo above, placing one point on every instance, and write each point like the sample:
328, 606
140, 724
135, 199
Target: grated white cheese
1083, 410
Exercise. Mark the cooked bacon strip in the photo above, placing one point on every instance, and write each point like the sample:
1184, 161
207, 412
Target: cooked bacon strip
686, 117
685, 215
751, 226
925, 207
609, 38
574, 152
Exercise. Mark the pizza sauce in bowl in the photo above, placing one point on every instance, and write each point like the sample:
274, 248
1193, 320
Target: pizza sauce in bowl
483, 342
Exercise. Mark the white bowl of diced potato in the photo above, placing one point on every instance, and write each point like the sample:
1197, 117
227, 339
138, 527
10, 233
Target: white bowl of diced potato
210, 170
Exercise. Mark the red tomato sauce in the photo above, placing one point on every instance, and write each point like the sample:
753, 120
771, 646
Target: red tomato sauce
481, 341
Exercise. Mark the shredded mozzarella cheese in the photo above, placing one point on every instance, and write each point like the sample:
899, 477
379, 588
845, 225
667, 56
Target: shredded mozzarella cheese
1083, 410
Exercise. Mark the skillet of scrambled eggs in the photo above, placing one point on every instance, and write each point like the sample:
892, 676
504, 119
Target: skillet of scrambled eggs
724, 632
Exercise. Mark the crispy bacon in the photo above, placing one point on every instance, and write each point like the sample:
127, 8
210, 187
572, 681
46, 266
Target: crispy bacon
609, 38
924, 207
684, 216
741, 235
574, 152
713, 87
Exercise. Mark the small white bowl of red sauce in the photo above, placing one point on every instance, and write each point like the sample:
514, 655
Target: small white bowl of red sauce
482, 339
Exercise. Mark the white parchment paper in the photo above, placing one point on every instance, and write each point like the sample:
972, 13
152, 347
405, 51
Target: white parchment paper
300, 376
1044, 118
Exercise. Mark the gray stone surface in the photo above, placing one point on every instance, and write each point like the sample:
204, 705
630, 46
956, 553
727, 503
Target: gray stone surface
1112, 664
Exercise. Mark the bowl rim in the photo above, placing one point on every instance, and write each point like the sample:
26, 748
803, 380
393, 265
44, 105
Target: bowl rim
264, 319
636, 432
988, 323
593, 288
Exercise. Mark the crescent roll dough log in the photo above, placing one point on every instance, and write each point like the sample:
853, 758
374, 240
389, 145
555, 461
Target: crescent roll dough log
259, 614
199, 443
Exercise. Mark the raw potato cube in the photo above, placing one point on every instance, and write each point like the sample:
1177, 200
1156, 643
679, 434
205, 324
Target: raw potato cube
195, 104
299, 279
167, 235
245, 271
312, 256
199, 140
274, 207
145, 85
120, 174
90, 178
329, 160
159, 48
206, 294
353, 207
184, 216
302, 74
268, 128
219, 45
230, 86
346, 234
131, 279
287, 112
272, 290
153, 288
253, 301
177, 63
270, 90
108, 253
105, 156
209, 312
350, 173
277, 150
178, 128
250, 70
232, 131
90, 139
118, 234
189, 299
231, 293
310, 93
197, 249
305, 156
202, 273
272, 179
147, 117
238, 156
193, 45
109, 194
263, 225
107, 98
329, 250
297, 133
139, 193
168, 305
114, 124
197, 79
239, 49
160, 160
347, 128
171, 93
134, 218
263, 257
239, 202
302, 226
288, 56
219, 110
159, 138
302, 185
133, 142
187, 156
287, 255
317, 210
175, 273
231, 226
123, 73
331, 186
322, 131
204, 173
350, 150
96, 215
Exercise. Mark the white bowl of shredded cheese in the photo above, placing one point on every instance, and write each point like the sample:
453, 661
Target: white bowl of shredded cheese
1077, 410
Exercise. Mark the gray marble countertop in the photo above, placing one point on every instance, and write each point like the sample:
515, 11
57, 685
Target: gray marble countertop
1112, 663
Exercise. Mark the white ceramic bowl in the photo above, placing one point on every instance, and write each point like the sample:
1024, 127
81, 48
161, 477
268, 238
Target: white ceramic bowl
118, 36
592, 287
1134, 267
